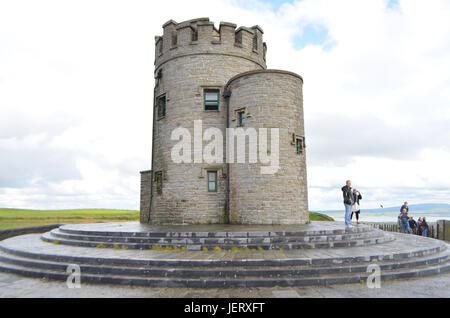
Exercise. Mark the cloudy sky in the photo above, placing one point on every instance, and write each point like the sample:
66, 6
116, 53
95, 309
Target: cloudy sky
76, 85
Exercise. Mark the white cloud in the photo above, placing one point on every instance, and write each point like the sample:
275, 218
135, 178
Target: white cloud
76, 83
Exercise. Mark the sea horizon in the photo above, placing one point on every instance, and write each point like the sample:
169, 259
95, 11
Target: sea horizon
432, 211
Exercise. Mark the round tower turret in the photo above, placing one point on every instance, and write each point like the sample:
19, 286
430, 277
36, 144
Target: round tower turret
272, 190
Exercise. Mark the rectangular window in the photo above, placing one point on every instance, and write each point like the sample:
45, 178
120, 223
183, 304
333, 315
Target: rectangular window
241, 117
159, 181
299, 145
212, 181
211, 99
161, 104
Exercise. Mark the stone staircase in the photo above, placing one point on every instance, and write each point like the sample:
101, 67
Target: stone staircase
132, 261
195, 241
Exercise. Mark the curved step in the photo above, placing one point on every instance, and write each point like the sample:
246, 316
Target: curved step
225, 240
238, 271
407, 256
50, 237
403, 248
227, 282
134, 229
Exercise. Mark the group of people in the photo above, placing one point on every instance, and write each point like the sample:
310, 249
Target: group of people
351, 203
407, 224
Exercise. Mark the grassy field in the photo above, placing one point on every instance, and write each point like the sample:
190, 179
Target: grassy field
14, 218
315, 216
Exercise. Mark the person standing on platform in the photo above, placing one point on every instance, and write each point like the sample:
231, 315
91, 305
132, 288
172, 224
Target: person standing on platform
419, 226
425, 228
413, 225
405, 206
356, 208
348, 201
404, 218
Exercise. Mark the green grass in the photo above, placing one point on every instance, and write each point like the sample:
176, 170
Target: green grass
14, 218
315, 216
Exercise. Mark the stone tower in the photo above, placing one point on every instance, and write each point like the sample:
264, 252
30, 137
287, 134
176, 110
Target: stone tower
219, 76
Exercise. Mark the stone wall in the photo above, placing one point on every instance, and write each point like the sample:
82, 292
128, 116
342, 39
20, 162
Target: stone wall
185, 70
4, 234
193, 56
146, 177
269, 99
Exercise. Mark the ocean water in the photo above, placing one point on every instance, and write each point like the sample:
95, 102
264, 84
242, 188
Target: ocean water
383, 217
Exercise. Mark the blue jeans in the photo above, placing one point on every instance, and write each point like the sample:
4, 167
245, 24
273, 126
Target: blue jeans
425, 233
405, 227
348, 213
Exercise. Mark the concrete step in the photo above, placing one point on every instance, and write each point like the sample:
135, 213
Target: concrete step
214, 272
227, 282
216, 240
406, 256
134, 229
403, 248
51, 237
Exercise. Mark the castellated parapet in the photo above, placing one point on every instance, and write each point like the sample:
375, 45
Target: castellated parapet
199, 36
191, 59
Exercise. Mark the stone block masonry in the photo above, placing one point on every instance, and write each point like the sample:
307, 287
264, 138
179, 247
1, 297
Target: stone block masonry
270, 99
191, 58
146, 179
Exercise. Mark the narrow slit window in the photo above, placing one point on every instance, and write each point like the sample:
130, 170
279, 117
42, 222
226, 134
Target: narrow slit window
212, 181
241, 118
159, 182
299, 145
211, 99
161, 105
255, 42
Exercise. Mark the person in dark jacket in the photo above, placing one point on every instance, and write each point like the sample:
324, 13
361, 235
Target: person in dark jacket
413, 225
404, 218
425, 228
348, 201
419, 226
405, 206
356, 207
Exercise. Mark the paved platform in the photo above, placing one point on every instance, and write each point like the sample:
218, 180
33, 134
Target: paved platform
402, 245
323, 262
134, 228
430, 287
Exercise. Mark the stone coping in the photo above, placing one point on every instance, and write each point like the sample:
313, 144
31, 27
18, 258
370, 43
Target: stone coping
264, 71
213, 230
4, 234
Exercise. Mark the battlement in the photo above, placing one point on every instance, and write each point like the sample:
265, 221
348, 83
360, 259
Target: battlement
200, 36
